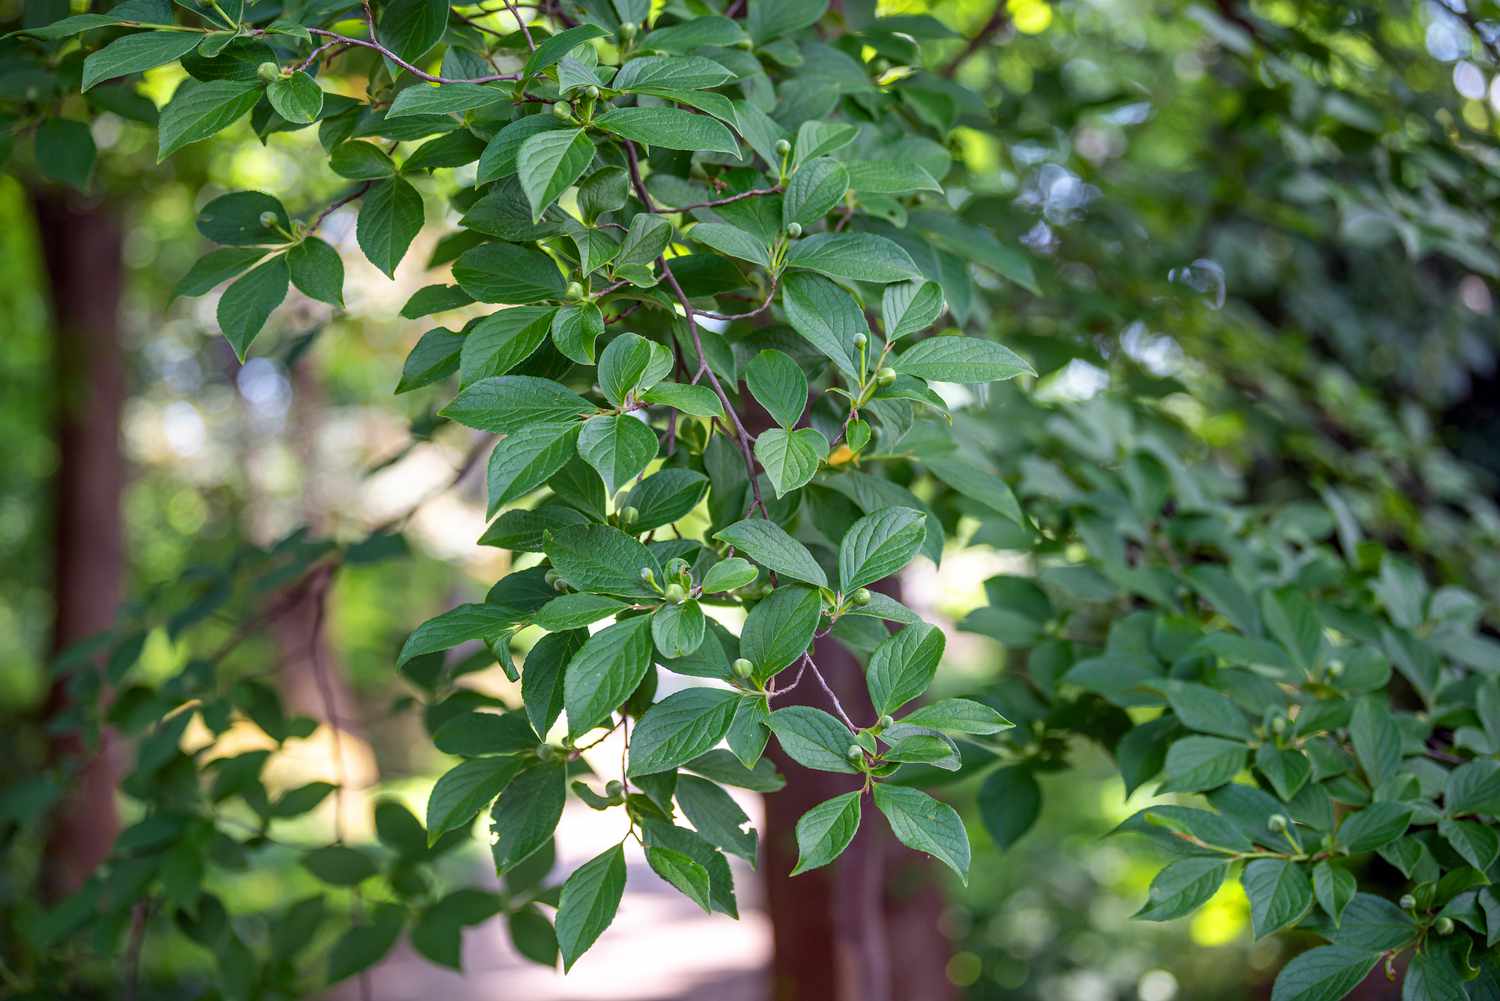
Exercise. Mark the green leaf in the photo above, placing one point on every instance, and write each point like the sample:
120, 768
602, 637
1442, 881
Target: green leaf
1286, 768
527, 813
532, 935
890, 177
768, 19
1376, 739
678, 629
501, 341
549, 162
644, 241
542, 680
136, 53
679, 729
1196, 764
1291, 618
682, 872
1334, 888
498, 160
910, 307
1477, 844
462, 624
605, 190
653, 74
575, 329
722, 767
1473, 788
1279, 892
825, 316
198, 110
959, 716
903, 666
728, 574
521, 463
217, 267
1326, 973
779, 628
1373, 827
790, 458
879, 545
603, 560
978, 483
1205, 710
1182, 888
461, 792
339, 865
511, 403
411, 27
506, 273
664, 497
777, 383
589, 900
235, 219
550, 52
601, 676
824, 831
317, 270
961, 359
297, 98
390, 217
574, 611
669, 128
813, 738
479, 734
733, 241
696, 33
817, 187
717, 818
861, 257
695, 401
617, 445
768, 544
927, 825
364, 945
629, 365
448, 99
1009, 802
247, 304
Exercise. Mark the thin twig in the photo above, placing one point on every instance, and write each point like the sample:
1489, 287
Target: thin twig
997, 21
338, 204
526, 31
420, 74
770, 296
729, 199
822, 683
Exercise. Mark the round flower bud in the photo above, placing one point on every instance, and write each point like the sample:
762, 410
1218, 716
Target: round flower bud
268, 71
269, 219
743, 667
885, 376
628, 30
854, 753
886, 722
1278, 725
861, 597
1443, 926
614, 788
629, 515
1407, 902
676, 593
794, 230
1335, 670
647, 575
591, 91
562, 110
677, 566
783, 147
575, 290
744, 44
1277, 822
860, 340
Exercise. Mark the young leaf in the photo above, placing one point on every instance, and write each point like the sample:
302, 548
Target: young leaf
670, 128
903, 666
768, 544
618, 446
780, 628
589, 900
682, 872
389, 219
247, 304
462, 791
777, 383
910, 307
815, 189
961, 359
317, 270
549, 162
927, 825
135, 53
605, 671
790, 458
527, 813
297, 98
1279, 893
879, 545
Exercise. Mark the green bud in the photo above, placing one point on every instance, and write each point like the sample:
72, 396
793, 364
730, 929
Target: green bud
1407, 902
794, 230
591, 91
862, 597
855, 753
860, 340
1336, 669
1278, 725
628, 30
886, 722
885, 376
268, 71
1443, 926
881, 65
647, 575
562, 110
1277, 822
269, 220
677, 566
614, 788
783, 147
743, 667
629, 515
575, 290
744, 45
676, 593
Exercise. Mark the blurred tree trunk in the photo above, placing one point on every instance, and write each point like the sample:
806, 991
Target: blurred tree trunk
82, 250
867, 927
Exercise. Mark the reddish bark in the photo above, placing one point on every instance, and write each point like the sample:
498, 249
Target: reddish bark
81, 247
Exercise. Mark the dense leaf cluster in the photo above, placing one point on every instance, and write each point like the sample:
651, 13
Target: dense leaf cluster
729, 273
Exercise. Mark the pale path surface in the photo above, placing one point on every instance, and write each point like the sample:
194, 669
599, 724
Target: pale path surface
661, 947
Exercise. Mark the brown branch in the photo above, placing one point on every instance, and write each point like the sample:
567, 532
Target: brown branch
991, 27
730, 199
420, 74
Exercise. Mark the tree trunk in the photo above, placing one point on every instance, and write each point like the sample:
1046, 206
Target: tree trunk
81, 247
865, 928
